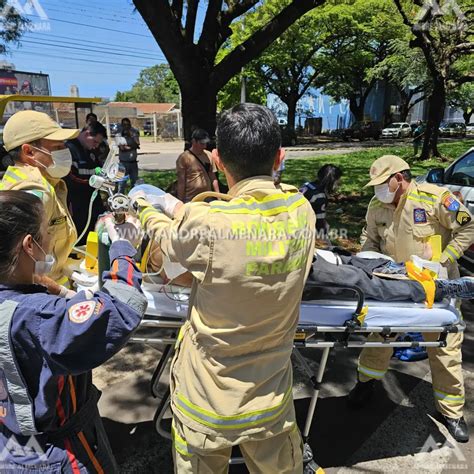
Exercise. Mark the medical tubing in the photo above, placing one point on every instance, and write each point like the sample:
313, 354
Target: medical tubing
89, 217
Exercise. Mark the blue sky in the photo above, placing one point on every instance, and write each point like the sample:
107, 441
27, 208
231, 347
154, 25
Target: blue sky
100, 46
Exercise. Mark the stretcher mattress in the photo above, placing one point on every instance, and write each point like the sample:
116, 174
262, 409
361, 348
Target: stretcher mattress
165, 303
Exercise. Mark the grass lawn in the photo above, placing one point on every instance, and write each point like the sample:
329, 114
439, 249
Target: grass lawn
347, 209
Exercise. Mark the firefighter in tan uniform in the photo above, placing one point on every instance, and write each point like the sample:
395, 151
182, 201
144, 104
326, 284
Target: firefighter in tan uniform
404, 219
231, 377
36, 144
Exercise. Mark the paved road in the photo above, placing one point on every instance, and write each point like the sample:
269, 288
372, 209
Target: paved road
390, 435
162, 156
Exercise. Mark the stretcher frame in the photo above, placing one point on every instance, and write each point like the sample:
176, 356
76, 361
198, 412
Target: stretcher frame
308, 336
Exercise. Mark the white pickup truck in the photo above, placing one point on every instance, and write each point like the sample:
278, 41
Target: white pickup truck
459, 178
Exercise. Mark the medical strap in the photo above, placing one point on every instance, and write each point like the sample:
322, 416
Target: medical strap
235, 422
15, 386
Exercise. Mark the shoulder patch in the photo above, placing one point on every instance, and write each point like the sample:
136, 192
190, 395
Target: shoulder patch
36, 193
463, 217
450, 202
81, 312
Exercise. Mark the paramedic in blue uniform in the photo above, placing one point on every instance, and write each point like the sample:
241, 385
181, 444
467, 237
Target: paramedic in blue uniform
49, 421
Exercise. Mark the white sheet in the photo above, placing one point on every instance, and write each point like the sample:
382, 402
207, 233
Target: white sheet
322, 313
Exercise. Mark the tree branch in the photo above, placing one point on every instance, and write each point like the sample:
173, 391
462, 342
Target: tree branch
261, 39
238, 8
177, 7
163, 23
412, 104
407, 22
191, 20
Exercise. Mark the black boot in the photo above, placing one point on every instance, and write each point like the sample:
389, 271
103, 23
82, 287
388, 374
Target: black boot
361, 394
457, 428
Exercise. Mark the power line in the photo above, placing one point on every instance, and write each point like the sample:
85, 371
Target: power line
95, 17
95, 27
77, 41
82, 59
68, 47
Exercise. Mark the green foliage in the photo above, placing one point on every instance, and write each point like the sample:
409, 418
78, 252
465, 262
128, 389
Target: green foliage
362, 31
229, 95
404, 67
12, 24
462, 97
352, 199
155, 84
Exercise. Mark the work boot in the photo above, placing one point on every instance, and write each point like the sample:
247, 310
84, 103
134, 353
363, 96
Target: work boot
459, 288
361, 394
457, 428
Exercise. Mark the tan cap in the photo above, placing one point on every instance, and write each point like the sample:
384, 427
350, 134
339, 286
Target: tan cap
29, 125
384, 167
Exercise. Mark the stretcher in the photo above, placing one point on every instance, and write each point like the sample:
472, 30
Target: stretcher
323, 324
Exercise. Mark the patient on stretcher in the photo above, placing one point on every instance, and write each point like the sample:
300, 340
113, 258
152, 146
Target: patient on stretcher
330, 268
375, 277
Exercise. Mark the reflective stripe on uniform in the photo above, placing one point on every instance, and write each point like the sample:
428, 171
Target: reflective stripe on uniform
145, 214
372, 373
179, 443
246, 420
452, 253
446, 397
16, 388
13, 175
422, 197
269, 206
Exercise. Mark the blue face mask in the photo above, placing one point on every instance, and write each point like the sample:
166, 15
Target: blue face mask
43, 267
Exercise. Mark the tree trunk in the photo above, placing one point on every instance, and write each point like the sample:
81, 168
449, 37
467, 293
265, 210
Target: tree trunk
467, 115
357, 109
404, 105
291, 103
199, 106
436, 107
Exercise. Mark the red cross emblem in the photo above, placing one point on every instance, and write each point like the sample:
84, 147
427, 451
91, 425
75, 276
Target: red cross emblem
81, 312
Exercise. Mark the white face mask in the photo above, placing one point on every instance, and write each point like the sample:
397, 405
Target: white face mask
62, 161
383, 193
43, 267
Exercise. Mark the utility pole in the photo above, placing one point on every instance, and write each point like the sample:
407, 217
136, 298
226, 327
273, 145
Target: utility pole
243, 88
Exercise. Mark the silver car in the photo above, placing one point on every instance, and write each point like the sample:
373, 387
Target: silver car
397, 130
459, 179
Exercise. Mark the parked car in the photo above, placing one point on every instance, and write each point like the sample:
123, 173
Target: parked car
148, 127
470, 129
288, 136
397, 130
452, 129
361, 131
459, 179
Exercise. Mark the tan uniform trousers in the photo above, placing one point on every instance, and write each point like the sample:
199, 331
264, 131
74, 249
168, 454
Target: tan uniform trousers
198, 453
446, 370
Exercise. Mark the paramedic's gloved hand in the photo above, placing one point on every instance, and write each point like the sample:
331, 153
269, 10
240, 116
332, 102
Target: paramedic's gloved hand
67, 293
161, 200
130, 230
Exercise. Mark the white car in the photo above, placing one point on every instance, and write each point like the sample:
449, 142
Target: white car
459, 179
470, 129
397, 130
